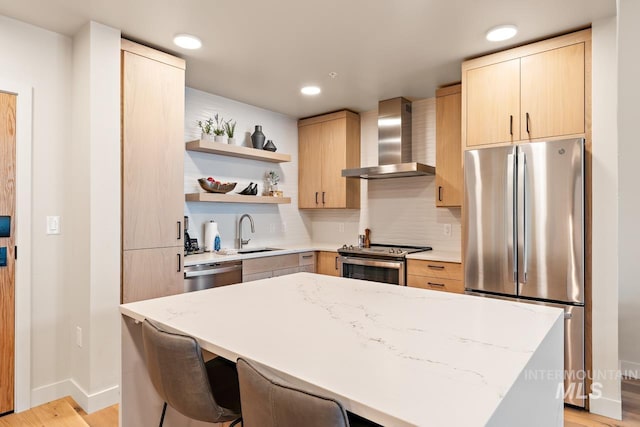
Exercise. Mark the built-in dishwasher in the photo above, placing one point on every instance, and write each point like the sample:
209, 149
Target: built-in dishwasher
212, 275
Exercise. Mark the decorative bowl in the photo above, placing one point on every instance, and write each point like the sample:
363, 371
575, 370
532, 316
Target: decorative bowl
216, 187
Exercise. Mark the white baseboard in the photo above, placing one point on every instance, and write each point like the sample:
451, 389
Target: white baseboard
630, 369
88, 402
606, 407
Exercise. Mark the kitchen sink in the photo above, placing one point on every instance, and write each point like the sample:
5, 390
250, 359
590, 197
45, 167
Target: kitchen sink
257, 250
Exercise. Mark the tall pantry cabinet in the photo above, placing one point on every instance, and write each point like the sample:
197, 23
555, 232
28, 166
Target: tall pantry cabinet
152, 108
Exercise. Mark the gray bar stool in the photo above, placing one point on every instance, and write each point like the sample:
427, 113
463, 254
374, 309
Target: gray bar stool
267, 401
198, 390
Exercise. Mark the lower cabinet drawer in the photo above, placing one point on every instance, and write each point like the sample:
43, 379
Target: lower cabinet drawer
435, 283
445, 270
256, 276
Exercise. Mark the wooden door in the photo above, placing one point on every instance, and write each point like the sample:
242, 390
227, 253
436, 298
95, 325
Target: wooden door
449, 150
334, 159
310, 166
152, 273
553, 93
327, 263
153, 153
493, 103
7, 245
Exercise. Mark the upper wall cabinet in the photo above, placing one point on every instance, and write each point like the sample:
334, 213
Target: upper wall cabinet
328, 144
527, 93
448, 147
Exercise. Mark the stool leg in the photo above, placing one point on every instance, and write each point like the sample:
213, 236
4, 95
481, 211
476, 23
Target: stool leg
164, 410
239, 420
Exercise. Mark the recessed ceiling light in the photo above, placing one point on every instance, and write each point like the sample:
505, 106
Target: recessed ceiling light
187, 41
501, 33
310, 90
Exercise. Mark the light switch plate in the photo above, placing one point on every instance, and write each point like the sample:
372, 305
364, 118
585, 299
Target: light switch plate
447, 230
53, 225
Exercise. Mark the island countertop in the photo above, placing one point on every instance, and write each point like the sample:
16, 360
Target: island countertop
393, 354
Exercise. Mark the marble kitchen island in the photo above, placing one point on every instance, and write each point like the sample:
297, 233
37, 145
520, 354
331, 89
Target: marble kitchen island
396, 355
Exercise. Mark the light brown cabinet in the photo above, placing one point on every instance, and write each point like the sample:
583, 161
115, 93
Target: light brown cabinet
527, 93
448, 146
326, 145
327, 263
435, 275
151, 273
152, 172
278, 265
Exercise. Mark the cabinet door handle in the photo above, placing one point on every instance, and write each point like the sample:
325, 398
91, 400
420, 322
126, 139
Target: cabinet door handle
179, 263
528, 123
436, 267
323, 197
179, 230
316, 197
511, 124
307, 256
440, 285
439, 193
336, 263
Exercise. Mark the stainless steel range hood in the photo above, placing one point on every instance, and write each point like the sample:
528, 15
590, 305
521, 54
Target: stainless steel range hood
394, 145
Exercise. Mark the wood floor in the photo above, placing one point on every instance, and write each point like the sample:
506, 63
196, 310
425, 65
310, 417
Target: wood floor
67, 413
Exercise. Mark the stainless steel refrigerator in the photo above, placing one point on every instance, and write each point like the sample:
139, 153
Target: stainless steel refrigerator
524, 235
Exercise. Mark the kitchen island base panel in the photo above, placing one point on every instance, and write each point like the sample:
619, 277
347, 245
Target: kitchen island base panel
536, 388
143, 405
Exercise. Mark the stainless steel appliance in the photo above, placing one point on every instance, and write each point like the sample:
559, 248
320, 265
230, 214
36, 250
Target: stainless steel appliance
524, 234
395, 152
377, 263
212, 275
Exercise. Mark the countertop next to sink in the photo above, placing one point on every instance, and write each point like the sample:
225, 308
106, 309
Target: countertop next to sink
208, 257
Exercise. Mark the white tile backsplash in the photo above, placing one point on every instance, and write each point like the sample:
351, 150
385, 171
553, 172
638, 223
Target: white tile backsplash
275, 224
398, 211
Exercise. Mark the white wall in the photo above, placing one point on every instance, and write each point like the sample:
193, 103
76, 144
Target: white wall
605, 219
399, 210
42, 59
629, 153
275, 224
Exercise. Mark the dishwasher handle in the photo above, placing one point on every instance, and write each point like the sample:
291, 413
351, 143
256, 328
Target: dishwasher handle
211, 271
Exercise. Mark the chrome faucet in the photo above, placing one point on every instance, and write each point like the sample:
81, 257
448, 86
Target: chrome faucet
241, 241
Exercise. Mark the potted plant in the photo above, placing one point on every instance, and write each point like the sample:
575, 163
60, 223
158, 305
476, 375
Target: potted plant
206, 128
230, 129
218, 130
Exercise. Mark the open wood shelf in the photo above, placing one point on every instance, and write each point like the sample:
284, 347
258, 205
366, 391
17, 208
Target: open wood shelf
236, 151
235, 198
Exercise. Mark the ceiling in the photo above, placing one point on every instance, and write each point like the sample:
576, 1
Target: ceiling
262, 52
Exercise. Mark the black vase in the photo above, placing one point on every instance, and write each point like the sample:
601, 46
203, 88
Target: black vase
257, 139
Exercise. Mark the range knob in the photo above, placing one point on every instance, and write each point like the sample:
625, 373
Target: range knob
344, 246
351, 247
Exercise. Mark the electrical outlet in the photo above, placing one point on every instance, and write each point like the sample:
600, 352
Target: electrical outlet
447, 230
53, 225
341, 227
78, 336
272, 228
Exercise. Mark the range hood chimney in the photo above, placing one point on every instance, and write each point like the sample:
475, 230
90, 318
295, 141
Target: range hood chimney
394, 145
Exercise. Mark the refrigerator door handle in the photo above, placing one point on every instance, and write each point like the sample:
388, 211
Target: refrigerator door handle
511, 224
525, 241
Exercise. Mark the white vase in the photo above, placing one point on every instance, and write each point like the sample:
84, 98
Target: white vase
219, 138
231, 141
206, 137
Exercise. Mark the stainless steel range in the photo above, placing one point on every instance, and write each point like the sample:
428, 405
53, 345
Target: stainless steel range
377, 263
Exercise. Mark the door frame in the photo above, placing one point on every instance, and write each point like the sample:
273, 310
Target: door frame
22, 281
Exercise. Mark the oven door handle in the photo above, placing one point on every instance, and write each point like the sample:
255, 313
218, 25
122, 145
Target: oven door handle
396, 265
